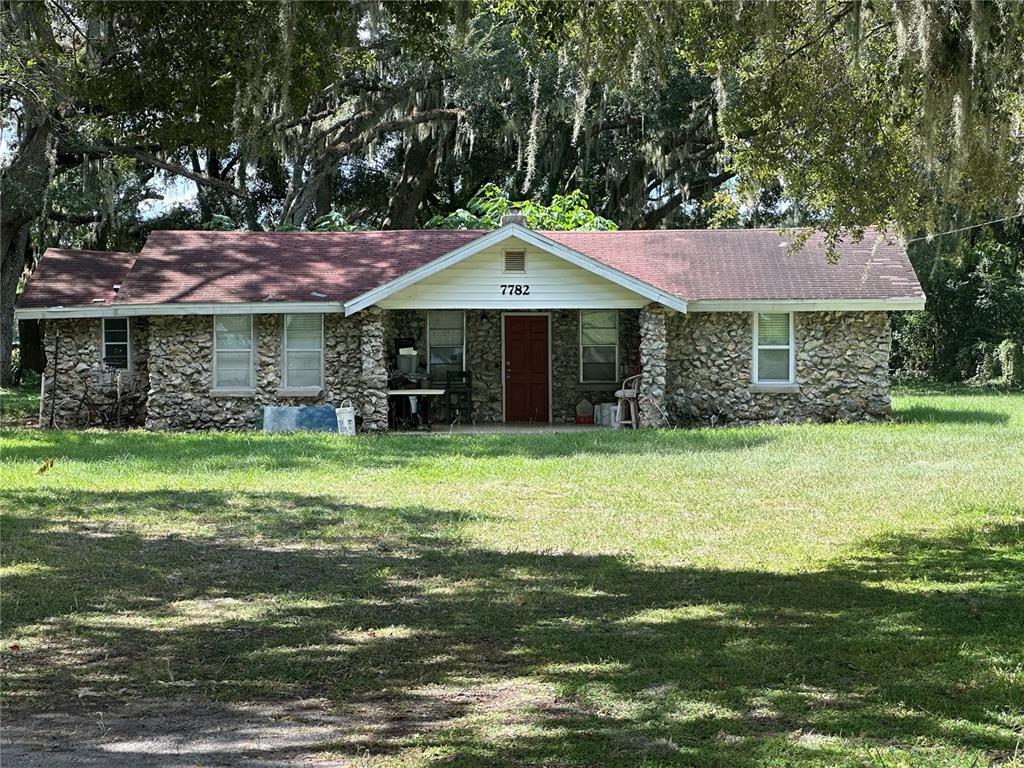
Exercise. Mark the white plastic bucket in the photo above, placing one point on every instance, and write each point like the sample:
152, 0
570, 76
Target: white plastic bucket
346, 418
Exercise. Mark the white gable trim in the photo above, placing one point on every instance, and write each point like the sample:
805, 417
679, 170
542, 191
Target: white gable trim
531, 238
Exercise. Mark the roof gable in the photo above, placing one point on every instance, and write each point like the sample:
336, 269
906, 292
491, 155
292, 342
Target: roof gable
514, 235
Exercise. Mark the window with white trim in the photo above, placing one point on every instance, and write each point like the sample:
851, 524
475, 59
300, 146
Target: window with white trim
773, 347
303, 351
599, 346
116, 342
232, 352
446, 344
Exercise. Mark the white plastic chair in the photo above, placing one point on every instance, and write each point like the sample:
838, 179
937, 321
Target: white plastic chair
626, 411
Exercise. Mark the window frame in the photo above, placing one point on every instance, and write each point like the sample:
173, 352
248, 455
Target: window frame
252, 357
129, 363
285, 384
581, 345
428, 345
757, 347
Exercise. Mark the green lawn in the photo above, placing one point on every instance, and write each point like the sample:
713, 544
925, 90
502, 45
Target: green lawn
832, 595
20, 403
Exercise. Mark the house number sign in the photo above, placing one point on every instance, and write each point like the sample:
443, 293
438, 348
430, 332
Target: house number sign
515, 290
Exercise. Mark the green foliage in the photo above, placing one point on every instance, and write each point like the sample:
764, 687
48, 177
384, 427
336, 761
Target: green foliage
220, 223
334, 222
869, 113
1011, 362
975, 293
485, 209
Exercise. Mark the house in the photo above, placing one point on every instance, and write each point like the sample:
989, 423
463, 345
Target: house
200, 330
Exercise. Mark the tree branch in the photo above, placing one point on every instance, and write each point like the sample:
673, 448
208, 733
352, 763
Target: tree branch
174, 168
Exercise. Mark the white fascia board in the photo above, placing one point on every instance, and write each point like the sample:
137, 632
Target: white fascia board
188, 308
530, 237
806, 305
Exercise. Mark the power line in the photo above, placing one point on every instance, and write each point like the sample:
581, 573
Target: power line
964, 229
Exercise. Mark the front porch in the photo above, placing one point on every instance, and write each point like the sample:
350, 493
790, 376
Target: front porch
535, 380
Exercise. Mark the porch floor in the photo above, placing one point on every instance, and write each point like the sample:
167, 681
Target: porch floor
502, 428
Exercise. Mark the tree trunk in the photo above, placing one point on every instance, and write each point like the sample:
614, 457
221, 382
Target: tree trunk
324, 201
305, 190
24, 182
202, 197
418, 172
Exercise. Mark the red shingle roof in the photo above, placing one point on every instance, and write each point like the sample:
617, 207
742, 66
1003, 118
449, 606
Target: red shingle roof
65, 277
752, 263
177, 266
185, 266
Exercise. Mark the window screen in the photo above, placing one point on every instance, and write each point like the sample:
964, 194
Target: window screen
303, 350
774, 347
599, 345
232, 352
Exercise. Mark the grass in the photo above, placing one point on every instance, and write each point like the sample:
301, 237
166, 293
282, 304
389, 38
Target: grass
22, 402
837, 595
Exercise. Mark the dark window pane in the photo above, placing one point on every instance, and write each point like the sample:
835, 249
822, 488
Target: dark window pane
115, 355
598, 371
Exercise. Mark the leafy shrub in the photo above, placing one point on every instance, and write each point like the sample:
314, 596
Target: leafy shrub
1011, 362
977, 363
975, 296
485, 209
220, 223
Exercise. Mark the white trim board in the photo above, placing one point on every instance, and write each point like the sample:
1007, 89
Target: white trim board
327, 307
184, 308
805, 305
529, 237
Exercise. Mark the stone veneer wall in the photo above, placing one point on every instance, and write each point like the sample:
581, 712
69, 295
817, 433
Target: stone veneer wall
86, 389
483, 360
842, 369
181, 372
654, 376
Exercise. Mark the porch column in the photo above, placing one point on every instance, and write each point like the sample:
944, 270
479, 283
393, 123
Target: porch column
653, 356
374, 379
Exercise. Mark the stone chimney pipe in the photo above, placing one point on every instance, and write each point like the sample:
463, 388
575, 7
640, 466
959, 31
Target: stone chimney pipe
513, 217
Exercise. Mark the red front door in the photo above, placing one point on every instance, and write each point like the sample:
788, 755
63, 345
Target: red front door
526, 368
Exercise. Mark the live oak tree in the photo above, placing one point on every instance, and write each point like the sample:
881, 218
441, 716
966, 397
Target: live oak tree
226, 95
339, 114
59, 114
891, 112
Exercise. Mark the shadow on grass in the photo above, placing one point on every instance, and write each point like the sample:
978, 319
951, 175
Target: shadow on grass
914, 641
930, 414
173, 452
